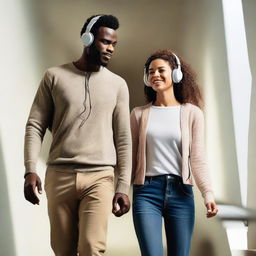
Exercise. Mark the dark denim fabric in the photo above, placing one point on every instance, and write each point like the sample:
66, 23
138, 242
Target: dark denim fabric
163, 197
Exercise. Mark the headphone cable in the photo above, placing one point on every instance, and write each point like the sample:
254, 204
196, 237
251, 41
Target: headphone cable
87, 90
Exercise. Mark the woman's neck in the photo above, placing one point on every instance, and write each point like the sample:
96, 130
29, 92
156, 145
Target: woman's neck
166, 99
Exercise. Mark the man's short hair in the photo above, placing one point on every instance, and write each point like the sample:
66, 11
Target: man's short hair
109, 21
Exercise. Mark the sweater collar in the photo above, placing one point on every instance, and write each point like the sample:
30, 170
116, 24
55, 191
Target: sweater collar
81, 71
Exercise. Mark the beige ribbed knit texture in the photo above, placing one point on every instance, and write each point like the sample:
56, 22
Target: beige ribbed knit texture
101, 143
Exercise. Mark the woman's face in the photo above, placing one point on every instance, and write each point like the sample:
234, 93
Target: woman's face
160, 75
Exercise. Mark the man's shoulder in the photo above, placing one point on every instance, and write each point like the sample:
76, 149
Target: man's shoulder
114, 76
59, 69
52, 74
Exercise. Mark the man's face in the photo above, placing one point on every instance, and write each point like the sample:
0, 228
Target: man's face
101, 50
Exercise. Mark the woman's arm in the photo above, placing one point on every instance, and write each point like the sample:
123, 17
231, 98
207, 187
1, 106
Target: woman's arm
198, 162
135, 140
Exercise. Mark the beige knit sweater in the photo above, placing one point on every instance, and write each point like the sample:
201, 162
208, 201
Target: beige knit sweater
103, 142
194, 166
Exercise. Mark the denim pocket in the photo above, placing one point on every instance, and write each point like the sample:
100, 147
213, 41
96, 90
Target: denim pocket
136, 186
146, 182
139, 186
186, 189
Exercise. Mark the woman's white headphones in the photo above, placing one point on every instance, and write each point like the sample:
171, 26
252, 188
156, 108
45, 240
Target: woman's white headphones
176, 74
87, 37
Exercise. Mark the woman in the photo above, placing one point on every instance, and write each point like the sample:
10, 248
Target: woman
168, 156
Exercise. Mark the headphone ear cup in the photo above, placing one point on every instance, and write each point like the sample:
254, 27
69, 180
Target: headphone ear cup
145, 79
87, 39
177, 75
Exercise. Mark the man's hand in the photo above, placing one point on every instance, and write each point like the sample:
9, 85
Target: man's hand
121, 204
32, 181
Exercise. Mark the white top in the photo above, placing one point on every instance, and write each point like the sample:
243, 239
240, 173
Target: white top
163, 141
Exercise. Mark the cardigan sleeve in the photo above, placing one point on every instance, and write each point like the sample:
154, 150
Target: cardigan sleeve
135, 141
198, 157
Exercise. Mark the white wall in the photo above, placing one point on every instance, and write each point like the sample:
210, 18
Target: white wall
23, 225
249, 7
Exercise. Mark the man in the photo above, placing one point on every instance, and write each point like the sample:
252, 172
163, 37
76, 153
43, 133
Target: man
86, 108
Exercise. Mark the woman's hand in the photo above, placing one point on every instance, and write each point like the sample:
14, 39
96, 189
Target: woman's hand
211, 209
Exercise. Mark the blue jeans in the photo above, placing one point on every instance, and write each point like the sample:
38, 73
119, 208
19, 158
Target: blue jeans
163, 197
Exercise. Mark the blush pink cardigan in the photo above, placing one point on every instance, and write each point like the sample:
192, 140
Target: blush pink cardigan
194, 166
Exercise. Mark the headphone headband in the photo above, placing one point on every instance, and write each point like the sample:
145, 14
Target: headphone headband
91, 23
177, 59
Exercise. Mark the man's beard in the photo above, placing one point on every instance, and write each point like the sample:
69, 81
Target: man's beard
94, 57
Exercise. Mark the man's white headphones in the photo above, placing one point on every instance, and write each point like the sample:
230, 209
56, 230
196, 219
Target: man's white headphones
87, 37
176, 74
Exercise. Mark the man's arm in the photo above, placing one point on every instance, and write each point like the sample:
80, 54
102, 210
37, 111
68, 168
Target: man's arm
122, 137
39, 120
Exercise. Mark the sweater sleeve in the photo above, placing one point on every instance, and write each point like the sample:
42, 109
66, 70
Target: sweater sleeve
135, 141
38, 121
198, 158
122, 138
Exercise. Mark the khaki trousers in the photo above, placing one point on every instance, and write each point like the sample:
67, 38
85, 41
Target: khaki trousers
79, 205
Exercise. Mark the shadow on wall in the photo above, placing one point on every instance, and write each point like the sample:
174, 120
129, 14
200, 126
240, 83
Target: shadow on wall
206, 247
209, 236
7, 246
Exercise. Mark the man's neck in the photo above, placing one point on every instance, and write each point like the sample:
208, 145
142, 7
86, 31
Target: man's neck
83, 64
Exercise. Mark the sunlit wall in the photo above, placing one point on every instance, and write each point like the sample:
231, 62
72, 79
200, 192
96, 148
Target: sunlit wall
249, 7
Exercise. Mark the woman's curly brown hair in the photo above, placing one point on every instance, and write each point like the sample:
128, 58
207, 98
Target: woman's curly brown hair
187, 90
